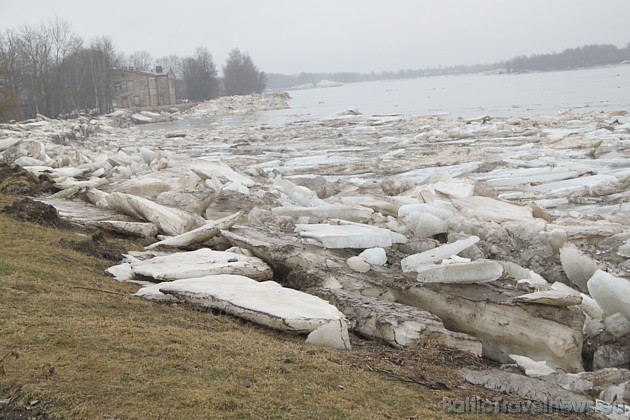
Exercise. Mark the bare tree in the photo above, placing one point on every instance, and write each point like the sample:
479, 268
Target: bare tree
141, 60
200, 76
47, 67
10, 75
172, 62
64, 43
241, 76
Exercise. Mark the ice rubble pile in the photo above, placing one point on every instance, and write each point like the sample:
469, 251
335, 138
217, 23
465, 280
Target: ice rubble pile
505, 237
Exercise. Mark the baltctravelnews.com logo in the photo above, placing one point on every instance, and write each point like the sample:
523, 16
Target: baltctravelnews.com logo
476, 405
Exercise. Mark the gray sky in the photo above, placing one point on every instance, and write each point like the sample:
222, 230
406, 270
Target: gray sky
290, 36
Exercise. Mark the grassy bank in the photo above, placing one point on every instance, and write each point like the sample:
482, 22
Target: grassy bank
87, 349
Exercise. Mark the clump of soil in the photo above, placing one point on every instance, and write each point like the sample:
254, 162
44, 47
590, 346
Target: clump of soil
29, 210
96, 246
18, 181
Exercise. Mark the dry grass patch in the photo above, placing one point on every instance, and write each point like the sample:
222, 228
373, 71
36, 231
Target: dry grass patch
88, 349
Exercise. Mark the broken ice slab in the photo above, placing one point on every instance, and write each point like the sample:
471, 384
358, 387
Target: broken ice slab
440, 209
610, 292
6, 143
199, 235
359, 264
555, 238
144, 186
333, 334
551, 297
486, 311
412, 262
299, 195
205, 169
347, 236
265, 303
374, 256
455, 188
152, 292
398, 325
387, 208
563, 188
586, 229
617, 324
490, 209
424, 225
479, 271
202, 262
532, 368
121, 272
511, 177
168, 220
419, 176
334, 211
578, 267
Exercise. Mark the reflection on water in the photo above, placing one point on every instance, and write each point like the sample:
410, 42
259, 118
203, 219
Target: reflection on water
604, 88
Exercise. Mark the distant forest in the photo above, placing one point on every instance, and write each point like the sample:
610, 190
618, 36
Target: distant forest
573, 58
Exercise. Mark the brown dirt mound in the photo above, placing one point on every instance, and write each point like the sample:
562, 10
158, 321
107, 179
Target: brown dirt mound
29, 210
18, 181
96, 246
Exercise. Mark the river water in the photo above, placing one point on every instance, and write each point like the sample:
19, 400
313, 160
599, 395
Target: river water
471, 95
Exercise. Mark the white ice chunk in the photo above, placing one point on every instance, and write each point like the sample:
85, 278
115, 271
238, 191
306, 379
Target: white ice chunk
199, 235
336, 211
591, 308
121, 272
346, 236
333, 334
563, 188
437, 209
374, 256
208, 170
148, 155
168, 220
532, 368
552, 298
6, 143
152, 292
578, 267
617, 324
492, 210
265, 303
555, 238
455, 189
301, 196
358, 264
202, 262
414, 261
610, 292
479, 271
25, 161
424, 225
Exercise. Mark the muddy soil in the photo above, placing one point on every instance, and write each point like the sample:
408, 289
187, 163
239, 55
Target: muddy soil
15, 180
29, 210
96, 246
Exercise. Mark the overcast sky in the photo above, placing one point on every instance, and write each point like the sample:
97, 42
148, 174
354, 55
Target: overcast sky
291, 36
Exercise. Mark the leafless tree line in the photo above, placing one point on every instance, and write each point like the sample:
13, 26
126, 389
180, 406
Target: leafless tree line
47, 69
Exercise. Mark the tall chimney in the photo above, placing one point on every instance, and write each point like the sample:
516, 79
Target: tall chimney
158, 69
